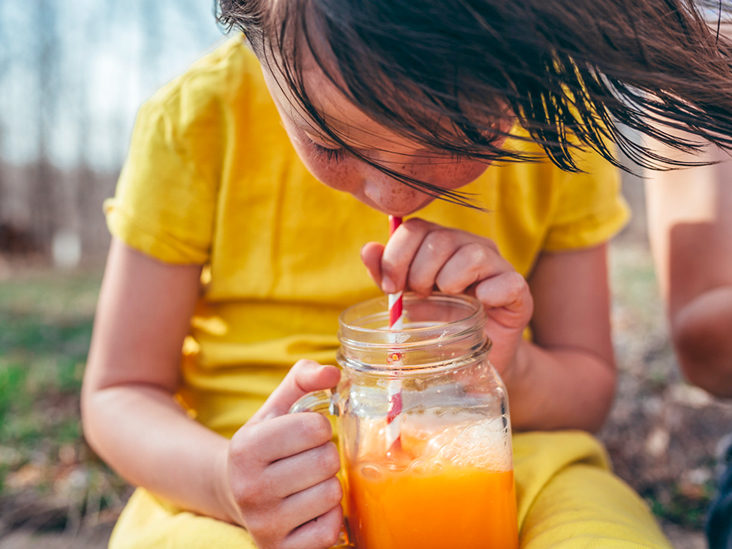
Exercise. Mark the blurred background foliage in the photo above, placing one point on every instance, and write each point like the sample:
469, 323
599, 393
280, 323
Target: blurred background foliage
72, 75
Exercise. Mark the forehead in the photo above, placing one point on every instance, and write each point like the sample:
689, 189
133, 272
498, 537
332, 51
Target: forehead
338, 112
311, 61
397, 112
295, 55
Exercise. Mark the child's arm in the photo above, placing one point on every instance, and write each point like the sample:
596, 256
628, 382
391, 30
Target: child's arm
566, 377
278, 471
690, 229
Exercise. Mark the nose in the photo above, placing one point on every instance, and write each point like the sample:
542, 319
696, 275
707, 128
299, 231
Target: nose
390, 194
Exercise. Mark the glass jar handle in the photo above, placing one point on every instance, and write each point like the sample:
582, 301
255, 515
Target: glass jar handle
323, 402
318, 401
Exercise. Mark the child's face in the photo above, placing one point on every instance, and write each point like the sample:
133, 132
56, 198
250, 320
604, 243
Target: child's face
339, 170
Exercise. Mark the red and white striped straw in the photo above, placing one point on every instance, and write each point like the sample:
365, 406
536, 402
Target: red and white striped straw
394, 387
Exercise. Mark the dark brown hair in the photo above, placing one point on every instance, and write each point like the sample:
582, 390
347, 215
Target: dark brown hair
573, 72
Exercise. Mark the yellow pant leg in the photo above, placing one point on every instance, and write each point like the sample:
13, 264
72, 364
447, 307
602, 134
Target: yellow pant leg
149, 522
569, 498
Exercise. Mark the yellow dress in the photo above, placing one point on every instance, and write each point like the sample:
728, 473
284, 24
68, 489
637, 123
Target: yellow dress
212, 179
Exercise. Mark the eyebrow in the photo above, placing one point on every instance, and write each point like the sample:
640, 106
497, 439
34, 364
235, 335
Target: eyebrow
306, 125
315, 133
311, 130
309, 126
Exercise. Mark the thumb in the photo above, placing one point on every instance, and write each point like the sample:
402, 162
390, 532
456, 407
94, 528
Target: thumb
304, 377
371, 254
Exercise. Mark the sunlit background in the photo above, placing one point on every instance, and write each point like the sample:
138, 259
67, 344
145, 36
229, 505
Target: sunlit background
72, 75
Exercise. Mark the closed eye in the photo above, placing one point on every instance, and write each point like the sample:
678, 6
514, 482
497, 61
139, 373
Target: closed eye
328, 154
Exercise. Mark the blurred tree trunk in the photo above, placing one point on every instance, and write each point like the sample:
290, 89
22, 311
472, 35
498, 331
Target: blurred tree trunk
2, 171
4, 67
84, 185
46, 63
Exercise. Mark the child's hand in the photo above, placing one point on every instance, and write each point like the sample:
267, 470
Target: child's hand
422, 256
282, 467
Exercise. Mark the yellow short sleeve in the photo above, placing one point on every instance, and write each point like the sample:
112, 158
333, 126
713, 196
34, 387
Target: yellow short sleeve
590, 208
164, 205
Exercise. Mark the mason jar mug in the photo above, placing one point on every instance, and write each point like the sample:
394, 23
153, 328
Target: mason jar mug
423, 426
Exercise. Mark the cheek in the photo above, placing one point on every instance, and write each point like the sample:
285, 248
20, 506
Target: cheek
452, 175
338, 175
469, 170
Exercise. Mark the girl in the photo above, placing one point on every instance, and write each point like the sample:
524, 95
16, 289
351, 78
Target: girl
231, 260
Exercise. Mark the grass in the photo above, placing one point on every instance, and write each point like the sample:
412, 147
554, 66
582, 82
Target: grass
46, 331
47, 321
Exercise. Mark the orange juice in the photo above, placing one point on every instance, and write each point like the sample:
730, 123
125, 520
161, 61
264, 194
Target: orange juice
435, 489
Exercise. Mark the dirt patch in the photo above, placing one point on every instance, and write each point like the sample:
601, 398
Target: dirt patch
662, 434
95, 537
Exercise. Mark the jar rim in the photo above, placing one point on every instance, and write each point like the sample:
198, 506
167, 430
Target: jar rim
469, 303
434, 319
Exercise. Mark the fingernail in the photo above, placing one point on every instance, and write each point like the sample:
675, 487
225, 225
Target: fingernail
387, 284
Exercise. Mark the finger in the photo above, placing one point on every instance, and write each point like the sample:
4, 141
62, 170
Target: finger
280, 438
321, 532
309, 504
371, 257
471, 263
304, 377
438, 246
303, 470
510, 292
399, 252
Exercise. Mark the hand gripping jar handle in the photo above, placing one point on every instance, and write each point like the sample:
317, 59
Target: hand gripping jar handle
323, 402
